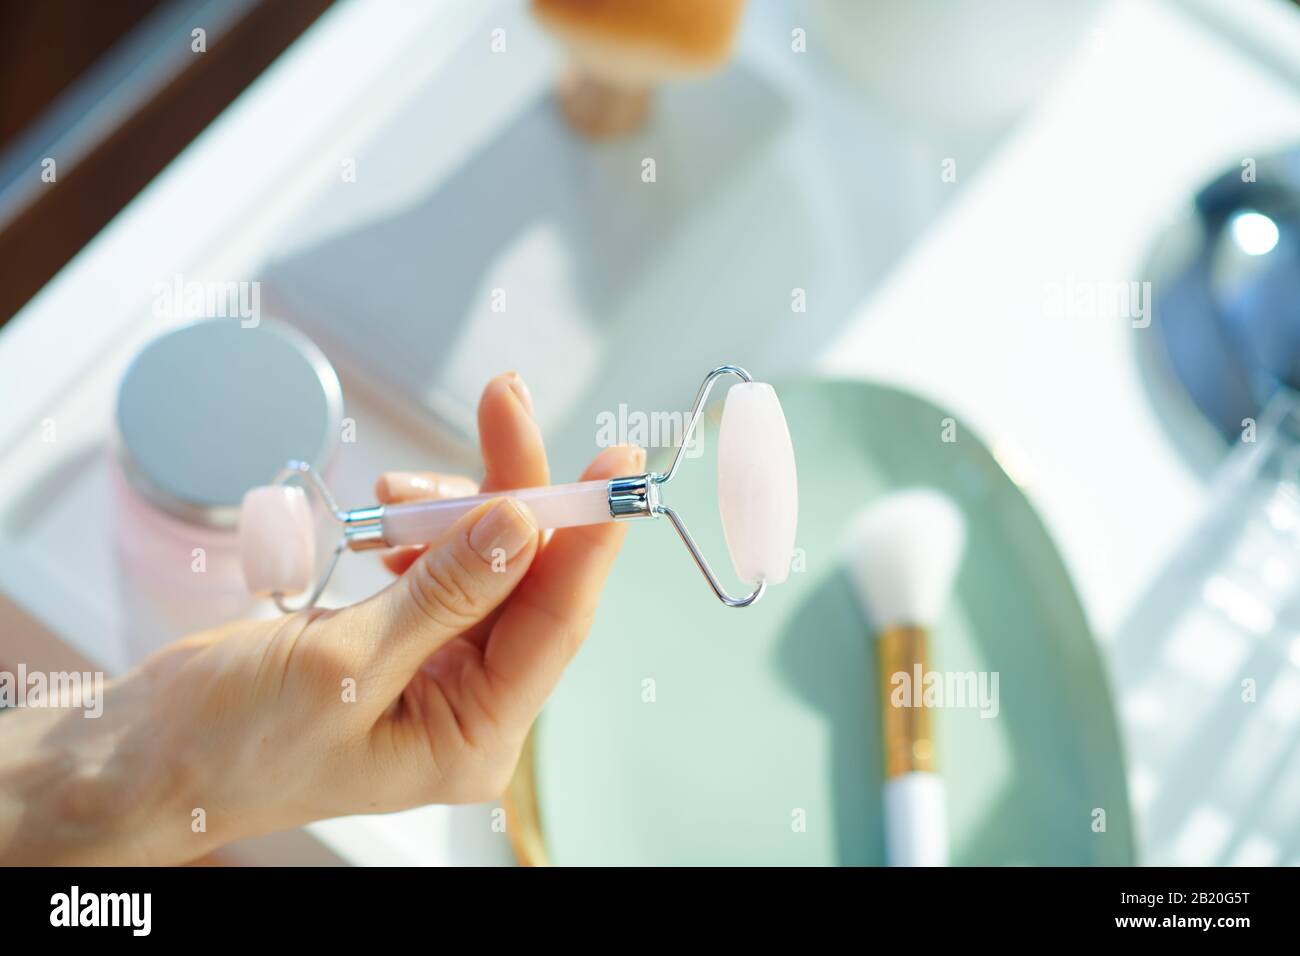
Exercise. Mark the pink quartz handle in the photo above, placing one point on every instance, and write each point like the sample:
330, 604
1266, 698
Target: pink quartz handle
554, 506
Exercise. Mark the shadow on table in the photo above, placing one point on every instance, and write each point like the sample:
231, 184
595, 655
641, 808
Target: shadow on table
531, 254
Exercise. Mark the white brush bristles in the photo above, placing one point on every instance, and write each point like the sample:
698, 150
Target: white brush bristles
903, 552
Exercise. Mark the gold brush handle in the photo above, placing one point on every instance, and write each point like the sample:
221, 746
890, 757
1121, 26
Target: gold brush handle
906, 732
523, 816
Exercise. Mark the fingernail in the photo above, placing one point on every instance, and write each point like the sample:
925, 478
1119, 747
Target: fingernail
638, 458
521, 392
405, 484
506, 529
454, 486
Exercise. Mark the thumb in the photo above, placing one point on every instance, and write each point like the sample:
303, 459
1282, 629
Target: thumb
455, 584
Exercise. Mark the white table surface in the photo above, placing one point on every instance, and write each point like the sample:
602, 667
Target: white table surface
1109, 155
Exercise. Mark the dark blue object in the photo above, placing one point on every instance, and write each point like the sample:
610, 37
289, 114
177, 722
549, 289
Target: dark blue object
1227, 292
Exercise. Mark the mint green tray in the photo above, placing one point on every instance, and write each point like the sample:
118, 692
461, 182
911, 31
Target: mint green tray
765, 718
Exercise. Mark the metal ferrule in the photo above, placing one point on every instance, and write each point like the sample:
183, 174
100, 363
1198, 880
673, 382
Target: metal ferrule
363, 529
636, 496
906, 723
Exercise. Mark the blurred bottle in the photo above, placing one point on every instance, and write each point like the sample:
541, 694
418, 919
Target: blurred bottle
620, 50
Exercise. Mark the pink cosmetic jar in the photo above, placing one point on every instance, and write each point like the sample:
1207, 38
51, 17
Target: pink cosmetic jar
205, 412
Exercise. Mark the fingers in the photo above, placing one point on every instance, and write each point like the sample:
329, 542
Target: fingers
448, 589
513, 453
546, 621
513, 456
398, 486
395, 487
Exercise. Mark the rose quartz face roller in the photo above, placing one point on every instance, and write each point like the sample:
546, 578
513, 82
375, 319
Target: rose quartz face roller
757, 497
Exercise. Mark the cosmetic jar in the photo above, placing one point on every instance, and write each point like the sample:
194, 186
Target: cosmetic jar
205, 412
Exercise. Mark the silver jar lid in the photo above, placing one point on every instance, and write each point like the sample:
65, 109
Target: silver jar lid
209, 410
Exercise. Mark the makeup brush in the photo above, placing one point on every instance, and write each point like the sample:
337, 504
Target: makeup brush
904, 552
620, 50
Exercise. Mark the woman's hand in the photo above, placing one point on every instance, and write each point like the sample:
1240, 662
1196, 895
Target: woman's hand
422, 694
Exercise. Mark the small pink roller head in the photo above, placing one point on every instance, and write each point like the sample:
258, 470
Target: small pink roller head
758, 491
277, 540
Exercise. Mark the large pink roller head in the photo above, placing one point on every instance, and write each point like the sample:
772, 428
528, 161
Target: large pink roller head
758, 491
277, 540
